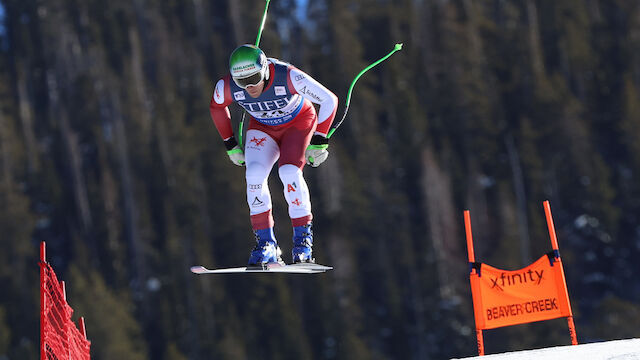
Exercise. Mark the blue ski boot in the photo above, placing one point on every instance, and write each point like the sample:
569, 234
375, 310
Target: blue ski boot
302, 243
266, 250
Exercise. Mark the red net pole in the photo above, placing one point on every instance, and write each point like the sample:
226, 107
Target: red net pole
43, 303
83, 330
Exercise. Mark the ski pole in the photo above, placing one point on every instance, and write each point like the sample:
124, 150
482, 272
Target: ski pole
264, 18
353, 83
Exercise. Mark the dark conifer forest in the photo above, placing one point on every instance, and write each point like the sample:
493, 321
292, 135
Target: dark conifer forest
109, 154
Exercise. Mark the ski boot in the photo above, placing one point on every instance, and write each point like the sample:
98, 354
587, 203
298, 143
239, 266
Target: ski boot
266, 250
302, 243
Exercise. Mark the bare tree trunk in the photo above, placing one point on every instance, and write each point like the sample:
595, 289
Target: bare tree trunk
236, 21
535, 47
422, 37
593, 6
139, 85
112, 217
634, 36
26, 118
442, 227
4, 156
521, 199
70, 141
203, 30
128, 195
81, 197
473, 33
16, 246
141, 44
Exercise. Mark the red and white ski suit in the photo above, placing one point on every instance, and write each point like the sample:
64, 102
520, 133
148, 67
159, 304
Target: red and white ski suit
283, 120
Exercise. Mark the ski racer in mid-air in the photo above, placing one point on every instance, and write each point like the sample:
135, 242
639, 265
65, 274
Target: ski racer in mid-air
284, 127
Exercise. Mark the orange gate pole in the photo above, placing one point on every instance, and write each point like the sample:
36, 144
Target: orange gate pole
565, 299
473, 278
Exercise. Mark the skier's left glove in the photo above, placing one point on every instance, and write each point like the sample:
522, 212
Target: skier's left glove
317, 152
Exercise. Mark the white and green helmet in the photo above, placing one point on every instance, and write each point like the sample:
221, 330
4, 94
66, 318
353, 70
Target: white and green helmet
248, 65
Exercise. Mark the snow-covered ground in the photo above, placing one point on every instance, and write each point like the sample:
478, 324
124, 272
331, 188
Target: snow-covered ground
611, 350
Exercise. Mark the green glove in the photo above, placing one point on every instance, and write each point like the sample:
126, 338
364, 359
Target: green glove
236, 155
317, 152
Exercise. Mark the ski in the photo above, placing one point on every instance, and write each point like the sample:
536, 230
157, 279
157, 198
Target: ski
300, 268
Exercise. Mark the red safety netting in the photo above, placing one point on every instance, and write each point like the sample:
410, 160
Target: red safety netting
59, 336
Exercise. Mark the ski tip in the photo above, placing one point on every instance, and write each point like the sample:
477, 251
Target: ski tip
198, 269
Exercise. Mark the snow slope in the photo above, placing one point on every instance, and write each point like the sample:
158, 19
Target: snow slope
611, 350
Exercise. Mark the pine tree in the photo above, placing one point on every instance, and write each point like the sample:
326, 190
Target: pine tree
111, 326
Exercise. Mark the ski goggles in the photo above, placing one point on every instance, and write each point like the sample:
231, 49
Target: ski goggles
251, 80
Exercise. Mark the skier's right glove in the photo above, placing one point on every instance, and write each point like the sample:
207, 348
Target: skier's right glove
236, 155
317, 152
